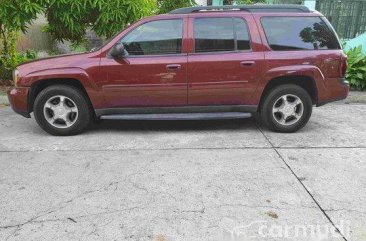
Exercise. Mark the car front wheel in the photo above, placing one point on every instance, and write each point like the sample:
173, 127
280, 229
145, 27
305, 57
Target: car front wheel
287, 108
62, 110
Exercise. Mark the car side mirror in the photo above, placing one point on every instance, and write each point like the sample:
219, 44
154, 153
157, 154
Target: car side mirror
118, 51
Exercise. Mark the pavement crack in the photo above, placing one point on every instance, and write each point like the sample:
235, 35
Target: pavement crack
137, 186
12, 234
299, 179
58, 207
202, 210
265, 206
39, 215
73, 219
193, 211
344, 210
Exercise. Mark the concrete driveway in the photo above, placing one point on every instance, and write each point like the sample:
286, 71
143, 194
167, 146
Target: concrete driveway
172, 181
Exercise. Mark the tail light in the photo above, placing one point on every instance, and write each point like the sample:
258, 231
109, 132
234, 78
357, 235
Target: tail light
343, 65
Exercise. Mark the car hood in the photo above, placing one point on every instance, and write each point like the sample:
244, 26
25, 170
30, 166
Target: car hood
55, 62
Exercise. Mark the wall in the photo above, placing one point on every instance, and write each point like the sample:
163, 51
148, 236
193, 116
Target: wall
201, 2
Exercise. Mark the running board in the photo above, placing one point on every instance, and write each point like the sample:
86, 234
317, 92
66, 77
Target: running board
179, 116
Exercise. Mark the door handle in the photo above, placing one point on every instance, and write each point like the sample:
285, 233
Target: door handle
247, 63
174, 66
329, 60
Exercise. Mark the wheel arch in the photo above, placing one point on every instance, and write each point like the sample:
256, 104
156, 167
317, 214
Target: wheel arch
306, 82
42, 84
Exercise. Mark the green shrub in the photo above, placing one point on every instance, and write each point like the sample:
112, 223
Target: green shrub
9, 62
78, 48
165, 6
31, 54
356, 72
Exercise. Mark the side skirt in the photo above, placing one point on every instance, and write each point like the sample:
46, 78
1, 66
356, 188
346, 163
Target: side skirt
179, 116
177, 110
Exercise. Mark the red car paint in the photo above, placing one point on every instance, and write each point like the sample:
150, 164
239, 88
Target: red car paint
194, 79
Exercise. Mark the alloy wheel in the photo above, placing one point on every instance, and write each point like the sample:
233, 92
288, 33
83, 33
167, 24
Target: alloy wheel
288, 109
60, 111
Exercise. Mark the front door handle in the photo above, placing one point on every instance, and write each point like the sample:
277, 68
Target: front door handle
173, 66
247, 63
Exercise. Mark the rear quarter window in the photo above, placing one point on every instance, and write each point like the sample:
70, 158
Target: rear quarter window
298, 33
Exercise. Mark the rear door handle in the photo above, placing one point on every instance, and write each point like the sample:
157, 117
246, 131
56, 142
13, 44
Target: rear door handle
174, 66
247, 63
329, 60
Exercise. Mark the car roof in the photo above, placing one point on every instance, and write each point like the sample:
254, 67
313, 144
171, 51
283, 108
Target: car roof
260, 8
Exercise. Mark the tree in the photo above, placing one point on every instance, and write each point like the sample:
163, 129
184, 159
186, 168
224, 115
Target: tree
69, 19
15, 15
166, 6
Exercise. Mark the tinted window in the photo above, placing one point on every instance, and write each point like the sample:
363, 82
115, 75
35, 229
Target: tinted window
242, 34
298, 33
220, 34
153, 38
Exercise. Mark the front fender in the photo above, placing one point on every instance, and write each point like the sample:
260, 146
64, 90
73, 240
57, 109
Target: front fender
59, 73
85, 79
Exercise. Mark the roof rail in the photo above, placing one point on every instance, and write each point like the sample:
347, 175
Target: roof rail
249, 8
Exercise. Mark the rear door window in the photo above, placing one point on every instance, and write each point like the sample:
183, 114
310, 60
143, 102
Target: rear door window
220, 35
298, 33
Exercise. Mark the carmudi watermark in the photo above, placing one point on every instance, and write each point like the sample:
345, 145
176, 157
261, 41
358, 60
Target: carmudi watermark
259, 230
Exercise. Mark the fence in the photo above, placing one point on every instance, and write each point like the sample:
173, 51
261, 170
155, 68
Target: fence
347, 16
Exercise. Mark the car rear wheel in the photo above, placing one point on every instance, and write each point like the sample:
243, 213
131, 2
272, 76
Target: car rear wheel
287, 108
62, 110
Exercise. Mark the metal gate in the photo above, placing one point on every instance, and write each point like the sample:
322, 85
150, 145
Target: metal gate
347, 16
286, 1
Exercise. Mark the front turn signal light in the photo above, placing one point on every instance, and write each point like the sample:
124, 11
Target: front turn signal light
15, 77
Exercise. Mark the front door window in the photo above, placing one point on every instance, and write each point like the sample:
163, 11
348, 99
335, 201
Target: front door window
155, 38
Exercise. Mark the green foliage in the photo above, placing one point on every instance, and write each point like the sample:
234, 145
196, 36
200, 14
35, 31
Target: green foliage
78, 48
241, 2
69, 19
7, 65
9, 57
356, 72
30, 54
16, 14
165, 6
14, 17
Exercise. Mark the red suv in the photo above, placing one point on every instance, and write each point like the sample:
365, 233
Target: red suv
193, 63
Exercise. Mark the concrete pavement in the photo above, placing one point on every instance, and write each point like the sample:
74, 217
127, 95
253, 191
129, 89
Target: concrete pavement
206, 180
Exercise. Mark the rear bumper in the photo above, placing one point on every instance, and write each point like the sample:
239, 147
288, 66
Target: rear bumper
18, 98
337, 88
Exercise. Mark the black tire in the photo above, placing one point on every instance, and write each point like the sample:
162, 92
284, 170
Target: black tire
82, 120
271, 99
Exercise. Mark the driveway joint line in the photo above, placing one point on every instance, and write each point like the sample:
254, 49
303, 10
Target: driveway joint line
177, 149
303, 185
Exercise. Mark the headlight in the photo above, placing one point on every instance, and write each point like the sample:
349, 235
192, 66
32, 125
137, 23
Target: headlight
15, 77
